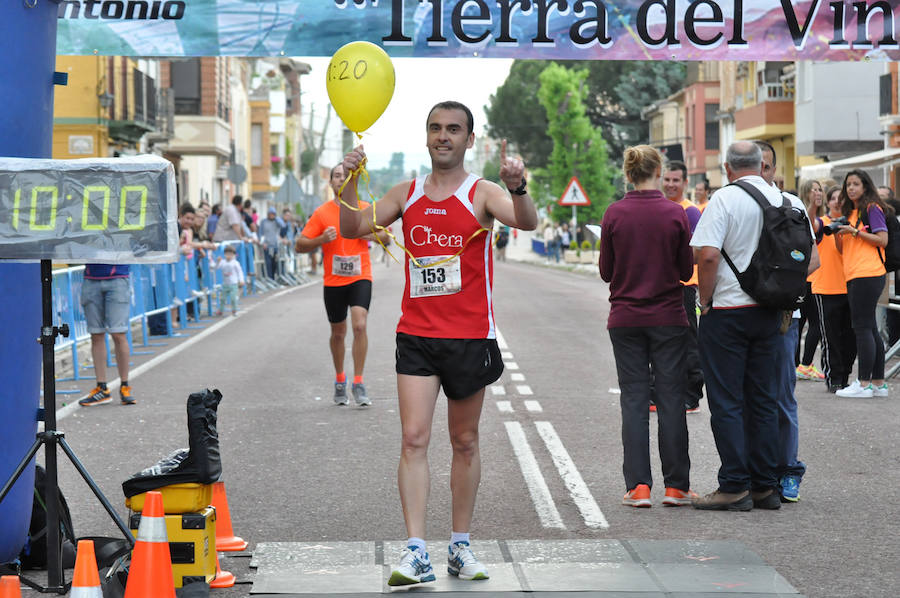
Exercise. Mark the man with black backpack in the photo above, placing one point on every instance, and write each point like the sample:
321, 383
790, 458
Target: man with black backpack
742, 299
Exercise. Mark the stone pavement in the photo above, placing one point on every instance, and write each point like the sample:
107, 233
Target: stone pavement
601, 568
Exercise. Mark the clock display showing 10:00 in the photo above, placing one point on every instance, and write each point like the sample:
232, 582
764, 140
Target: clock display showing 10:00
38, 208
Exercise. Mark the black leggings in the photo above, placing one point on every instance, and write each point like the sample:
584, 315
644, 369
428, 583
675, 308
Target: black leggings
863, 294
809, 313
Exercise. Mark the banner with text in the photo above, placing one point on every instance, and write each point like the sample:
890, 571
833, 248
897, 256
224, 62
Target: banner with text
563, 29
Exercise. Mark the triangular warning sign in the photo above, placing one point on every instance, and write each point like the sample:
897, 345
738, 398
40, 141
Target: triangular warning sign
574, 195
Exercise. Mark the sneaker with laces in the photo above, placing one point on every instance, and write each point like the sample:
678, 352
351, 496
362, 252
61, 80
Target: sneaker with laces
724, 501
803, 372
340, 394
639, 496
678, 498
125, 395
790, 488
879, 391
98, 396
855, 391
359, 395
415, 567
692, 408
463, 564
814, 373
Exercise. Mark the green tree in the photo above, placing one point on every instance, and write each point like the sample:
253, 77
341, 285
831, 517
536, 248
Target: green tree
577, 147
617, 91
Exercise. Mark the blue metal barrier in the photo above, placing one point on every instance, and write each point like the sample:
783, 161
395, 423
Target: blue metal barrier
156, 289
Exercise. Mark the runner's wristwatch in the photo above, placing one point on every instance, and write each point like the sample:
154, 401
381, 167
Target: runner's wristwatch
520, 190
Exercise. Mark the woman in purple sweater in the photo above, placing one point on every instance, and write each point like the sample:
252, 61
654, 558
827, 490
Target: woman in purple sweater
645, 253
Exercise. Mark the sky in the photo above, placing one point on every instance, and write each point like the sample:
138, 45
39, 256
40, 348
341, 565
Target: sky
420, 83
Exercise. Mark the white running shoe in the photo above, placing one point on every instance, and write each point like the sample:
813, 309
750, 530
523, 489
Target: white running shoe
855, 391
340, 394
462, 563
879, 391
415, 567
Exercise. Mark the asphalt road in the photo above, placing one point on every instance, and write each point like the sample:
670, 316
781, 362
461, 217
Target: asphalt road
299, 468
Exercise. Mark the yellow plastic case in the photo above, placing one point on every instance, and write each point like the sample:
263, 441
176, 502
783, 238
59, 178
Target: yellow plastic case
192, 544
177, 498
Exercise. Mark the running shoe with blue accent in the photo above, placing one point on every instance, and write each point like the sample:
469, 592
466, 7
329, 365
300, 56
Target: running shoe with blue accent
340, 394
462, 563
790, 488
415, 567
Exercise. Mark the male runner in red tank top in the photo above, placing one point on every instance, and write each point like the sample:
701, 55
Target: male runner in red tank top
446, 335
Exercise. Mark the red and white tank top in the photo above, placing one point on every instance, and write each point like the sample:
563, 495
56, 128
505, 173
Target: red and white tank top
446, 299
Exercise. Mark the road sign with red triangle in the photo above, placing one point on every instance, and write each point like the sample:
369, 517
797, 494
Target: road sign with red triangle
574, 195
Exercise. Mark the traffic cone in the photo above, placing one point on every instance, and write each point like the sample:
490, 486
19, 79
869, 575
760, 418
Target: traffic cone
9, 587
226, 541
223, 579
150, 574
86, 582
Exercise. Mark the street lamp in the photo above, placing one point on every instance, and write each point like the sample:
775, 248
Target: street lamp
105, 99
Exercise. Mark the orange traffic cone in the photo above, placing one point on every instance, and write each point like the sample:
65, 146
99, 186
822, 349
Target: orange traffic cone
226, 541
9, 587
150, 574
223, 579
86, 583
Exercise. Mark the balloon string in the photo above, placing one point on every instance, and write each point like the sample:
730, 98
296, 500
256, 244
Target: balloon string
374, 227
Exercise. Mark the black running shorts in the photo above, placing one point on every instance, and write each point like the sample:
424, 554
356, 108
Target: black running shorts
338, 299
464, 366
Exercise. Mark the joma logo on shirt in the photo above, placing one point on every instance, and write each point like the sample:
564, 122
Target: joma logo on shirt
435, 211
421, 235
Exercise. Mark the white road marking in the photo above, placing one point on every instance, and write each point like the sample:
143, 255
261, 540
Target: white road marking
517, 377
524, 389
501, 342
170, 353
537, 486
512, 365
498, 390
506, 355
615, 391
505, 406
533, 406
590, 511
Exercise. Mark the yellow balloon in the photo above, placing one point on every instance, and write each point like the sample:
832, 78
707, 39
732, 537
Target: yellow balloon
360, 82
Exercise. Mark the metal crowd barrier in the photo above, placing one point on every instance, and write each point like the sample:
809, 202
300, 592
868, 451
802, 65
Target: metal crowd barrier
188, 287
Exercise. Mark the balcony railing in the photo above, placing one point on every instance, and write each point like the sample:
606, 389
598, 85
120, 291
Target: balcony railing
773, 92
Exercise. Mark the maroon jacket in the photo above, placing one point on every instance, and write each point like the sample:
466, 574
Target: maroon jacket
645, 253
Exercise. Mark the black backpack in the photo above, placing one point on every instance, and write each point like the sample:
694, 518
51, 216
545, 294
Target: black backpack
34, 553
890, 255
776, 276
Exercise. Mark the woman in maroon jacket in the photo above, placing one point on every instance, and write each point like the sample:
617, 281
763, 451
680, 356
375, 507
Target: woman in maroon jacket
645, 253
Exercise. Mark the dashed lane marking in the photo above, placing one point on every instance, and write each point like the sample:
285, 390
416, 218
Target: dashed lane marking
505, 406
533, 406
512, 365
584, 500
498, 390
524, 390
517, 377
537, 486
501, 342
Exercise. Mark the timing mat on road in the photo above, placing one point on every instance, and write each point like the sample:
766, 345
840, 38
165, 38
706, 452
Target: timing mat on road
634, 568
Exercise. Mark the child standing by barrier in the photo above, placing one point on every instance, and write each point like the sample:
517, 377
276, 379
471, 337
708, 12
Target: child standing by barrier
232, 278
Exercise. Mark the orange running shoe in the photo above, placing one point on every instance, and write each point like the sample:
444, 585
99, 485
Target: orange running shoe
125, 395
678, 498
639, 497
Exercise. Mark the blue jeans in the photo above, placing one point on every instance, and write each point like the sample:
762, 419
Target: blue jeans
788, 423
739, 350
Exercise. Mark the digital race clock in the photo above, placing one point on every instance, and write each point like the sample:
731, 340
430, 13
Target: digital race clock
99, 210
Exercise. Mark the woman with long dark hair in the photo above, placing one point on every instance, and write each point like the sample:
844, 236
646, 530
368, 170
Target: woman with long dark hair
829, 289
813, 198
860, 243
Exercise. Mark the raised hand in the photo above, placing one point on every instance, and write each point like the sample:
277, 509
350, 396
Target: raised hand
512, 170
353, 159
